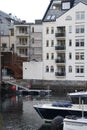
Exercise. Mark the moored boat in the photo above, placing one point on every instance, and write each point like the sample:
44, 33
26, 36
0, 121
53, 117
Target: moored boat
49, 111
75, 123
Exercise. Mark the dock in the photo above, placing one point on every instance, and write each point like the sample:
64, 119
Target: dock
23, 90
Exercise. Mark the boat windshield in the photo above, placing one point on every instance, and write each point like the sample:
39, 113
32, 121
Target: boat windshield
78, 99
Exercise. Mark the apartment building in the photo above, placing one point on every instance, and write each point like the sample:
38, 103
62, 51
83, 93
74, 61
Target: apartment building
28, 40
64, 42
35, 45
21, 39
64, 51
6, 29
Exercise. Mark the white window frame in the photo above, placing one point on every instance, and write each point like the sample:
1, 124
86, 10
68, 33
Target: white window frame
80, 15
79, 56
80, 29
79, 42
70, 29
79, 69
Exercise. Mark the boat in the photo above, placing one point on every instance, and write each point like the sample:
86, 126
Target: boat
75, 123
48, 111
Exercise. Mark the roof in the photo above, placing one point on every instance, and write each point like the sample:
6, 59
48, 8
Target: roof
55, 10
82, 93
78, 1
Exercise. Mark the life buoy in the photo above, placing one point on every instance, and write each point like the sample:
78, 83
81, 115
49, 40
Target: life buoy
14, 88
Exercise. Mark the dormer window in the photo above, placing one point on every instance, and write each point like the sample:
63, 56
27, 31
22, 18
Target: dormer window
65, 5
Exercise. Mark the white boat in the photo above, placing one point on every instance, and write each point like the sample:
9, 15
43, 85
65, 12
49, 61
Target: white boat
75, 123
49, 111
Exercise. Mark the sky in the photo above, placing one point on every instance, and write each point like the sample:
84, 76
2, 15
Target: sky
28, 10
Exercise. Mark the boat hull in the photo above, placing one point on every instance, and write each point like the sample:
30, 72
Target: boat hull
49, 114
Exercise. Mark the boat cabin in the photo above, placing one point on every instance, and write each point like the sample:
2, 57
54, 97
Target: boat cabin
78, 97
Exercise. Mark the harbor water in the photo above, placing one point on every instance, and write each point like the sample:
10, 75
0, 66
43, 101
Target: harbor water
17, 112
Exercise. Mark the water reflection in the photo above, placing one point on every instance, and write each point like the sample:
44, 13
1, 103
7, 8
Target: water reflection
1, 122
11, 104
17, 113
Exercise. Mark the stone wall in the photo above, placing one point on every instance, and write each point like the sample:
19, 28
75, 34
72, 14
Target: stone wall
58, 87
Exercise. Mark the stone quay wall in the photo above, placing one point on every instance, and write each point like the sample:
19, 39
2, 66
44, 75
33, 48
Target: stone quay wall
58, 87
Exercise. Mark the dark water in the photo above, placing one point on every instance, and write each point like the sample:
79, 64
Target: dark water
17, 113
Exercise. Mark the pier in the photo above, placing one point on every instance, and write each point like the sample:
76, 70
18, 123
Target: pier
25, 90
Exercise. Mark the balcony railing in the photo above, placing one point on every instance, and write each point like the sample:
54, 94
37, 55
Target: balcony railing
59, 47
7, 49
59, 73
22, 33
60, 34
60, 60
22, 44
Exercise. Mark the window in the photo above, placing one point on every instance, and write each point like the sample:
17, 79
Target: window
22, 30
70, 29
51, 69
53, 17
68, 18
47, 69
47, 43
79, 56
47, 30
52, 30
52, 43
32, 40
65, 5
32, 29
48, 17
52, 56
70, 55
79, 69
80, 15
80, 29
4, 45
79, 42
12, 32
70, 42
56, 6
47, 56
70, 69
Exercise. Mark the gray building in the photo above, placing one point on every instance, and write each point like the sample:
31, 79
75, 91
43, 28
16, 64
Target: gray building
28, 40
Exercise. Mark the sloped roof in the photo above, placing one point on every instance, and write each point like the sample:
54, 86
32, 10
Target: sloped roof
77, 1
51, 14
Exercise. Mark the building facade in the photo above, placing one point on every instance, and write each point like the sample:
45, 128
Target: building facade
28, 40
21, 39
35, 45
64, 41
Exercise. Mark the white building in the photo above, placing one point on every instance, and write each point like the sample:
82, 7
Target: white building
35, 44
64, 42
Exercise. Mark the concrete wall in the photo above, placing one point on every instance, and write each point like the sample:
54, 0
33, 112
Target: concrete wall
32, 70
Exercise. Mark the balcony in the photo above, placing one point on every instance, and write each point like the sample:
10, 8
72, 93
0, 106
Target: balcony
60, 60
60, 34
61, 47
22, 33
22, 45
60, 31
60, 74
